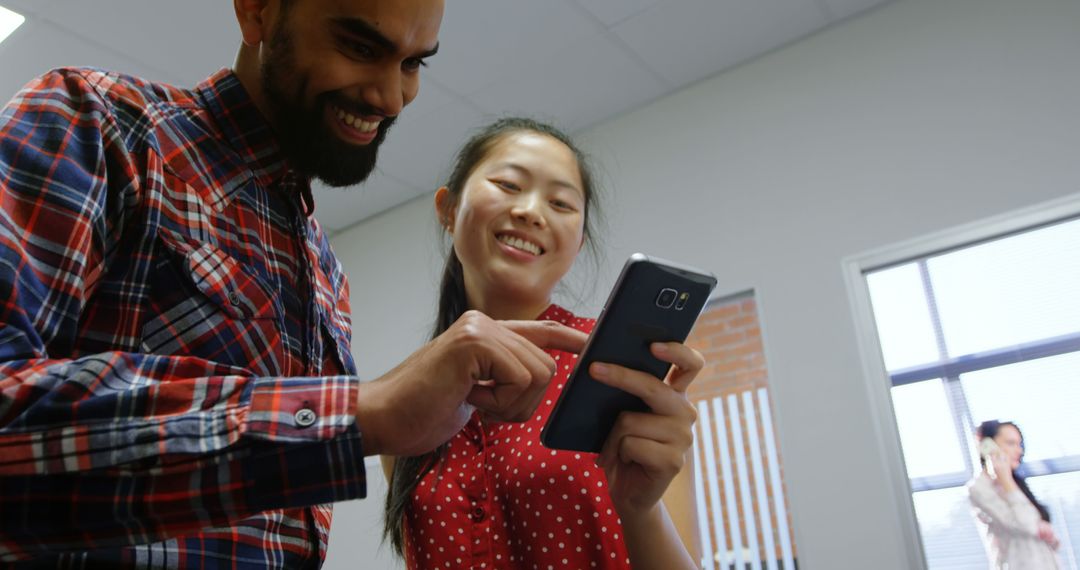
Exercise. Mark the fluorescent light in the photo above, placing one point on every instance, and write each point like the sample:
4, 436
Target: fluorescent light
8, 22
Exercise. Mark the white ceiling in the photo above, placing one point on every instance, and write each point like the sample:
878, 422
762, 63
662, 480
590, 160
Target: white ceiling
572, 62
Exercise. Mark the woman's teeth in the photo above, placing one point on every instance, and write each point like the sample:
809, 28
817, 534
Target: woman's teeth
518, 243
355, 122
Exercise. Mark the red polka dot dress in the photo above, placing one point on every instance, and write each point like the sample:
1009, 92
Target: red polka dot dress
500, 499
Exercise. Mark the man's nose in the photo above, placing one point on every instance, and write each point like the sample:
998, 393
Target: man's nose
385, 92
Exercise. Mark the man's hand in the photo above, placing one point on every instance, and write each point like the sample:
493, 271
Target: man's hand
499, 367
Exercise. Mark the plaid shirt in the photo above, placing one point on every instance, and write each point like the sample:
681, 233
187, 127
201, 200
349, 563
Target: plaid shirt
175, 374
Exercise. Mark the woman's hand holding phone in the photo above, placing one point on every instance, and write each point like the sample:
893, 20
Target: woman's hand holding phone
646, 450
1001, 467
997, 464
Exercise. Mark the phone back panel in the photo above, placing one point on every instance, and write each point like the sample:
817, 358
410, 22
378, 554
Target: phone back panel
632, 319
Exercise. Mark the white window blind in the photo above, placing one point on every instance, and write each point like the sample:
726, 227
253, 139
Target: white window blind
739, 483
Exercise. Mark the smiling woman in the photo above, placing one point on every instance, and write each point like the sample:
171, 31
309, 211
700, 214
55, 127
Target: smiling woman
518, 223
517, 207
9, 21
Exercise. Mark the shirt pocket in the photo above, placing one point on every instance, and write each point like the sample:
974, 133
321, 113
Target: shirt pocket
204, 303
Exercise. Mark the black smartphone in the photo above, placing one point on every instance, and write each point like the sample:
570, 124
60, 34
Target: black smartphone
652, 301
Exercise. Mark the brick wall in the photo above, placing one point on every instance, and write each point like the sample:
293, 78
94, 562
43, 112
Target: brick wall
729, 336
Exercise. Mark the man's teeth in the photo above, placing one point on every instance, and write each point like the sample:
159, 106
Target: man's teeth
518, 243
355, 122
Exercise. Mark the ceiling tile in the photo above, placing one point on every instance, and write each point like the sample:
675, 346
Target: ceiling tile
190, 40
611, 12
419, 148
339, 208
714, 34
431, 97
54, 47
841, 9
483, 39
594, 80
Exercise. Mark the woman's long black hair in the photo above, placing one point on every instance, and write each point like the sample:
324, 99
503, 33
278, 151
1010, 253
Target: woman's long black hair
453, 303
990, 428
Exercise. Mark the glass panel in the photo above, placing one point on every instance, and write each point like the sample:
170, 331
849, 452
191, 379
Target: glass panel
902, 316
952, 539
931, 446
1041, 396
1010, 291
1058, 493
950, 536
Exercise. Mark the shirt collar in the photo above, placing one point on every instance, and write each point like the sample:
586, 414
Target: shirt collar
556, 313
243, 126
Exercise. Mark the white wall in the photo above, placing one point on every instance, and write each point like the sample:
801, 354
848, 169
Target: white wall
920, 116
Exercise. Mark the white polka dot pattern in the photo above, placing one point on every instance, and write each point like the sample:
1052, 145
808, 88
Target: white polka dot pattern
500, 499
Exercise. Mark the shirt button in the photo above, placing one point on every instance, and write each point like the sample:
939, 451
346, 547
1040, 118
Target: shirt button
304, 417
234, 299
477, 514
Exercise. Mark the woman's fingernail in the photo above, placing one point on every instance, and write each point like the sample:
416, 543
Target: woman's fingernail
660, 348
600, 370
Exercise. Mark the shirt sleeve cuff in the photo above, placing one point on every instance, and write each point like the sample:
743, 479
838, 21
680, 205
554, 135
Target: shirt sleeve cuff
302, 409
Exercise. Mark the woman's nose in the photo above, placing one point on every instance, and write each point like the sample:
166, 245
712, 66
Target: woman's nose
527, 209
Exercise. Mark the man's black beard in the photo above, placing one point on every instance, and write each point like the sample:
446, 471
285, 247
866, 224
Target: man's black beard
305, 138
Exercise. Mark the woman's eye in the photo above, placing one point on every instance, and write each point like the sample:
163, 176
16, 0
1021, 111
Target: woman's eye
510, 186
562, 205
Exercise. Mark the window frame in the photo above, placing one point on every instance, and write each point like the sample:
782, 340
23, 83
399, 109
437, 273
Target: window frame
879, 382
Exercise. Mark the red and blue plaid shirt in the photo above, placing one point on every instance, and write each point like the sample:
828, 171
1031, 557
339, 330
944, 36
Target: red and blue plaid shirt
176, 385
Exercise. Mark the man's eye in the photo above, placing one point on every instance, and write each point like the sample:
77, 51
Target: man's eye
414, 63
362, 50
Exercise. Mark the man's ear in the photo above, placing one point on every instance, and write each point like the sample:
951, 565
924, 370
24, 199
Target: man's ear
251, 15
444, 208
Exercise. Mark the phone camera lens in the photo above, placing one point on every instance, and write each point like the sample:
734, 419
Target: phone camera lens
666, 298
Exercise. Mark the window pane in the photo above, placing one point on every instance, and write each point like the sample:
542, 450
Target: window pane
903, 319
931, 446
1013, 290
1042, 396
952, 540
1058, 493
949, 534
